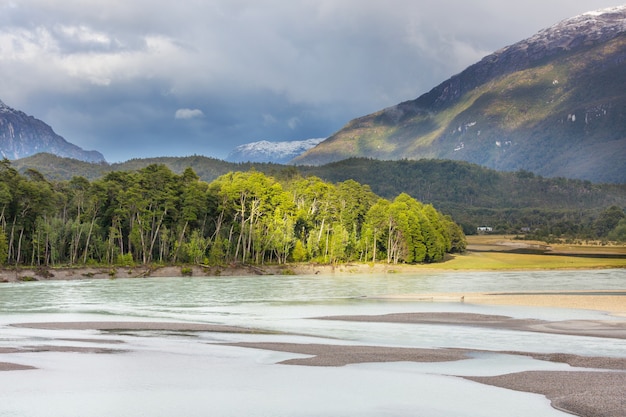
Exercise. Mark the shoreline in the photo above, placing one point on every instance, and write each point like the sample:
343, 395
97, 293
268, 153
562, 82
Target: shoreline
31, 274
485, 253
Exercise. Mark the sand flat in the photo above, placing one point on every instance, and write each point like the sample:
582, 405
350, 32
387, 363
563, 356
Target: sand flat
137, 326
588, 394
601, 300
615, 329
7, 366
341, 355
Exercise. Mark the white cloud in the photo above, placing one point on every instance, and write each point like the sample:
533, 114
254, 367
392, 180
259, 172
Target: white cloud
268, 119
293, 122
84, 34
186, 114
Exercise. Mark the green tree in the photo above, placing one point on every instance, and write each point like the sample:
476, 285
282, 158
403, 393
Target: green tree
154, 214
33, 197
195, 248
194, 205
608, 220
618, 234
458, 241
249, 202
377, 227
299, 253
4, 248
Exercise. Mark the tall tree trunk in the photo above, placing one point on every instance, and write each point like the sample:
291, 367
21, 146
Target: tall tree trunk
155, 234
19, 247
253, 210
3, 222
374, 248
47, 245
12, 239
76, 242
93, 220
142, 240
180, 241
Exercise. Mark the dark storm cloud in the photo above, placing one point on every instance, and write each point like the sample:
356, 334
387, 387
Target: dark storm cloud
135, 78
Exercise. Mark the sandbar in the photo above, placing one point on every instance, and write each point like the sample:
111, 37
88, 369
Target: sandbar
7, 366
138, 326
341, 355
615, 329
588, 394
611, 301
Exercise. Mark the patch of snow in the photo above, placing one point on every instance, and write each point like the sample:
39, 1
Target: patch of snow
276, 152
605, 11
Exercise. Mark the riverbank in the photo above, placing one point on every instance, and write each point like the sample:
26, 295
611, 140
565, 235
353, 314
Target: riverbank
485, 253
471, 261
233, 270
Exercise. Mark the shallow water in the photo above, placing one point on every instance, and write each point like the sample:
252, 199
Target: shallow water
177, 373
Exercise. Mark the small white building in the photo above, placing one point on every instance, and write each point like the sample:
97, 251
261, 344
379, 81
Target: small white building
484, 229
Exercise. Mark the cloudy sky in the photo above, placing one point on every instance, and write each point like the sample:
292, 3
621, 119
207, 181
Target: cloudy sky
140, 78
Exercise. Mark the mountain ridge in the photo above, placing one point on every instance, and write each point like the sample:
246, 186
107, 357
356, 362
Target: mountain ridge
22, 135
514, 109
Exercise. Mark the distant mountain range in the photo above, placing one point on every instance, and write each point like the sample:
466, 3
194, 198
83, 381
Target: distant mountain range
276, 152
553, 104
22, 136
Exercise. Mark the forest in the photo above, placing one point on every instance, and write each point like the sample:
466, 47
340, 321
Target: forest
518, 202
155, 216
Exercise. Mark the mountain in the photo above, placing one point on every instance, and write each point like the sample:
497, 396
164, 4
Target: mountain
553, 104
22, 135
276, 152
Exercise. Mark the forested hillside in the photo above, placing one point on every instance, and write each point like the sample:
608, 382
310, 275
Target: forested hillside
510, 202
153, 215
208, 169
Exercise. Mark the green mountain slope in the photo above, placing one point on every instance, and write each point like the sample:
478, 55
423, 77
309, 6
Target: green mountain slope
475, 195
554, 104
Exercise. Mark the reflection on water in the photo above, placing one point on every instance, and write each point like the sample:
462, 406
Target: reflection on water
170, 373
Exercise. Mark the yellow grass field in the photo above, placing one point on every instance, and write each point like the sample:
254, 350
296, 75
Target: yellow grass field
494, 252
512, 261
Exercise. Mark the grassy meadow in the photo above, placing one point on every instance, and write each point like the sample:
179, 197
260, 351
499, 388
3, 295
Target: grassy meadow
495, 252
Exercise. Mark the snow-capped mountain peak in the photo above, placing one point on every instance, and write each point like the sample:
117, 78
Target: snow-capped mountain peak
276, 152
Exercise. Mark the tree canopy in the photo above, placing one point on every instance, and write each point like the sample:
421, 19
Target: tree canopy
153, 215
